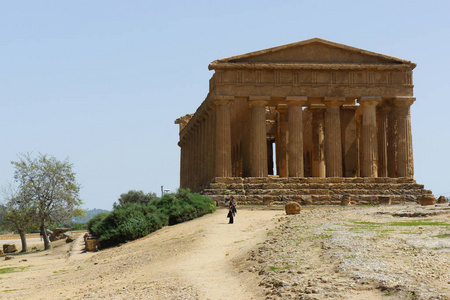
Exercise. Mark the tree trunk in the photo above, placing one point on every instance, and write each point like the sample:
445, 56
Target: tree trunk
23, 239
47, 245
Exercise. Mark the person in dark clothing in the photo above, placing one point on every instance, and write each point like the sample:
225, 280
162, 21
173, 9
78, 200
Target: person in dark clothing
232, 210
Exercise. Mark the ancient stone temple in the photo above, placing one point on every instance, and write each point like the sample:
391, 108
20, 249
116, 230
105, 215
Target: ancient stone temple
313, 121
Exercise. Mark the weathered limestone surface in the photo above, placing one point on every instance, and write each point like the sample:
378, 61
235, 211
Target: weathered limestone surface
292, 208
427, 199
441, 199
317, 191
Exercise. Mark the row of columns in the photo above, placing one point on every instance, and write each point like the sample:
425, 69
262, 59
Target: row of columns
325, 141
206, 150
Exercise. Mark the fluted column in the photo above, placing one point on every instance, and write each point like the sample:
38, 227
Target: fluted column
209, 145
223, 136
382, 122
282, 141
295, 125
392, 142
349, 140
369, 151
405, 164
259, 136
318, 135
333, 141
196, 154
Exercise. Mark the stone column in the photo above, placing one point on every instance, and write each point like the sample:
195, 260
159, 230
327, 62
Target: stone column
333, 142
349, 140
369, 151
259, 136
392, 142
318, 134
295, 125
190, 159
382, 122
182, 163
269, 148
209, 144
405, 165
281, 145
223, 136
196, 153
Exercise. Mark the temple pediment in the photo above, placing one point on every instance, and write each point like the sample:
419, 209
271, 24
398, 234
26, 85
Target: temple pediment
310, 52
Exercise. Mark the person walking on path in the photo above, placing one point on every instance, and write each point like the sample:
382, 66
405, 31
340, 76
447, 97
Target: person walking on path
232, 210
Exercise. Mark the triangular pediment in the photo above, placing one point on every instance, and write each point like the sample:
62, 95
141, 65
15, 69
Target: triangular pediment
312, 51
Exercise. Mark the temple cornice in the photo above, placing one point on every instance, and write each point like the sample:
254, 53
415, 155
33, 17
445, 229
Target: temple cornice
310, 66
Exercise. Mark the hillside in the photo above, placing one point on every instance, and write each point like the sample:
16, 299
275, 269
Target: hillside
89, 214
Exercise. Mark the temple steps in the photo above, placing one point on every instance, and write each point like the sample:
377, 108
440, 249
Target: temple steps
310, 190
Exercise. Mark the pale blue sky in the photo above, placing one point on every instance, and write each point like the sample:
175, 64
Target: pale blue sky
101, 82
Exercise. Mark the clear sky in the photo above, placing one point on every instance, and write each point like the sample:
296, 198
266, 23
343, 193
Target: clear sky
101, 82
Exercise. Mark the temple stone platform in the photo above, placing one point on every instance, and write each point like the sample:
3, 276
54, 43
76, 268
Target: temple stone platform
315, 191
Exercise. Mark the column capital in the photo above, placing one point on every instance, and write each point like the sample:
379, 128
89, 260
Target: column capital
296, 100
317, 108
403, 100
350, 107
369, 100
282, 107
258, 100
334, 101
222, 100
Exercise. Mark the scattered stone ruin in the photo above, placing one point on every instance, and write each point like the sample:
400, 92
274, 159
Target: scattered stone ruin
9, 248
90, 242
314, 122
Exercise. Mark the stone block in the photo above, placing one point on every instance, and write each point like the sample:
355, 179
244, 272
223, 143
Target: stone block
9, 248
272, 185
292, 208
427, 199
91, 243
228, 180
345, 200
383, 200
236, 186
217, 185
405, 180
441, 199
256, 180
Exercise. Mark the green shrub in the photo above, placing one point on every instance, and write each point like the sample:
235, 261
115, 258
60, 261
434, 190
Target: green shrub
130, 220
93, 225
184, 206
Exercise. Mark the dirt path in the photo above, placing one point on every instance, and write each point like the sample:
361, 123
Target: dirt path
193, 260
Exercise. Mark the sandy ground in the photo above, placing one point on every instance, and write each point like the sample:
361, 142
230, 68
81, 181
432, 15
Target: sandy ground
361, 252
199, 259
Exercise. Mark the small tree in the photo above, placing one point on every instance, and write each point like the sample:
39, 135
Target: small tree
18, 214
50, 186
135, 197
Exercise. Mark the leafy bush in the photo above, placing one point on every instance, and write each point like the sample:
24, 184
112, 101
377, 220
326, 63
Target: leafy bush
132, 220
94, 223
135, 197
184, 206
